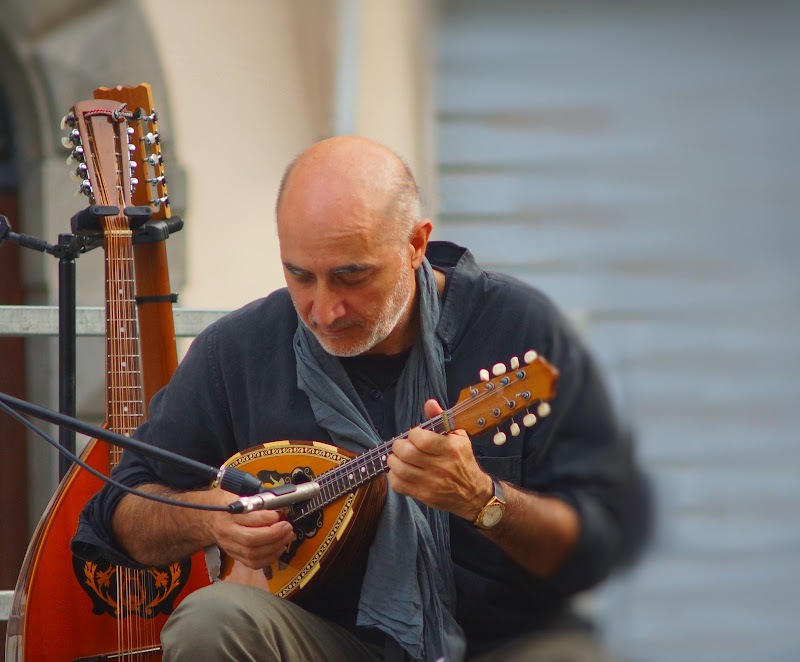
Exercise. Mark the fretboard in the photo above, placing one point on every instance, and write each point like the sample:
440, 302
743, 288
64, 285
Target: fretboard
124, 396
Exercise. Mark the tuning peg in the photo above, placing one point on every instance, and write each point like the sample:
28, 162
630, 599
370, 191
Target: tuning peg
498, 369
161, 179
514, 363
515, 430
134, 182
484, 375
157, 202
81, 172
132, 165
530, 356
68, 120
76, 155
131, 147
131, 130
499, 439
543, 409
85, 188
74, 138
529, 420
151, 138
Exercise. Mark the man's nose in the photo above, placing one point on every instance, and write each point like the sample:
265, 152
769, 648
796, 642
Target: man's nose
327, 306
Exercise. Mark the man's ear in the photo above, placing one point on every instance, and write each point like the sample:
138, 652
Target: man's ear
419, 241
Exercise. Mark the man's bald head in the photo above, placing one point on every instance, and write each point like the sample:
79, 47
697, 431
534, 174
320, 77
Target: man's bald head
357, 167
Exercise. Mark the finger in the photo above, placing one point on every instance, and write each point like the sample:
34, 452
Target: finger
259, 517
432, 408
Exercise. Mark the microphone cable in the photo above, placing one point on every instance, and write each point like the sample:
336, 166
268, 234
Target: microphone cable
103, 477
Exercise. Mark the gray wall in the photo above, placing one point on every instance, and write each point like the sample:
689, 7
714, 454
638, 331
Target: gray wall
639, 163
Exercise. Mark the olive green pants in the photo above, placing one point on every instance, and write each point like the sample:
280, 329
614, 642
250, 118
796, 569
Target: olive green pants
244, 624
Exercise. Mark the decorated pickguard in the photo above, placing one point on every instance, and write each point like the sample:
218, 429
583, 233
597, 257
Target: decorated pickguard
121, 592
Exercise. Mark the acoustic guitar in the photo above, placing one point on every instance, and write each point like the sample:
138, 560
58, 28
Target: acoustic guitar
340, 521
65, 609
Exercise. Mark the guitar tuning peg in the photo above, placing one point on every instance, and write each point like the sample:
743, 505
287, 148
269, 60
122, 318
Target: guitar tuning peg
131, 147
530, 356
72, 139
68, 120
131, 130
529, 420
498, 369
80, 173
151, 138
134, 182
543, 409
499, 439
515, 430
514, 362
132, 164
484, 374
157, 202
85, 188
76, 155
154, 159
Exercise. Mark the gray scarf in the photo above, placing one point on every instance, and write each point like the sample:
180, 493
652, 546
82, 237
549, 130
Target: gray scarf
408, 589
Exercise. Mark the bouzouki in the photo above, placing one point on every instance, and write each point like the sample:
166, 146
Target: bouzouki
65, 609
339, 522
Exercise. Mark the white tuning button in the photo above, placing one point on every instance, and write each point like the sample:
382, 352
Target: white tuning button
484, 373
515, 430
151, 138
499, 439
514, 363
529, 420
498, 369
530, 356
543, 409
67, 121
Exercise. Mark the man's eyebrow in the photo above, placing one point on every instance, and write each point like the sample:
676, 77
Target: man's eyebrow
350, 269
337, 271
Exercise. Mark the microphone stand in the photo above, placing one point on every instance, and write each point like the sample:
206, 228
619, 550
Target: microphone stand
230, 479
87, 235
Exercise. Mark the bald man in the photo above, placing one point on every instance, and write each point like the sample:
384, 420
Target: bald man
480, 545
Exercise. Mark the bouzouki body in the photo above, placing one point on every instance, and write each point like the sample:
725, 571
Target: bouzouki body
65, 609
335, 528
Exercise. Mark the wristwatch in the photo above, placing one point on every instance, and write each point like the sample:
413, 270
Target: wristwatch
493, 511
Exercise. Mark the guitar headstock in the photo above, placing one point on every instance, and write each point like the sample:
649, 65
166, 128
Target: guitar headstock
521, 390
152, 190
99, 139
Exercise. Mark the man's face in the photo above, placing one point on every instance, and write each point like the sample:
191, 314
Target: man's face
350, 286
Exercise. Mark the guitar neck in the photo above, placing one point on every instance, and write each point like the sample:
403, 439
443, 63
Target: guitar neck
124, 401
357, 472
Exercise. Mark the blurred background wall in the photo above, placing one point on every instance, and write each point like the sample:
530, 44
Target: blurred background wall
636, 161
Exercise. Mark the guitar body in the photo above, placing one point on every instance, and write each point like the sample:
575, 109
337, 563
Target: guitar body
65, 609
336, 527
342, 529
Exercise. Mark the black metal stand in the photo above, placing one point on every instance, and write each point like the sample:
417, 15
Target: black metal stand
69, 247
87, 235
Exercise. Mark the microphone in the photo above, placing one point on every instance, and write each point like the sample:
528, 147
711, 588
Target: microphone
285, 495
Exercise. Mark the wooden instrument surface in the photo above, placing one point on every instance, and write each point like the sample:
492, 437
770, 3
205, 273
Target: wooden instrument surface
339, 524
65, 609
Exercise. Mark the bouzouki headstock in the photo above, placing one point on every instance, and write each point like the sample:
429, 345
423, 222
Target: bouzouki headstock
521, 390
152, 189
101, 153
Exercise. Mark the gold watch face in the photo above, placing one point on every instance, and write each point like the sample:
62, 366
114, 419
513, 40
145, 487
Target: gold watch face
492, 515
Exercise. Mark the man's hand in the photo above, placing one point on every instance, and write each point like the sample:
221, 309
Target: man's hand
439, 470
255, 539
158, 534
